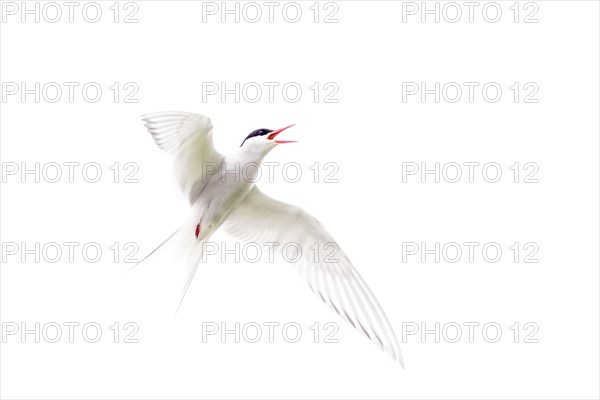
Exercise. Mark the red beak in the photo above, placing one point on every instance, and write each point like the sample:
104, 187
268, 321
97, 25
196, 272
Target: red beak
277, 132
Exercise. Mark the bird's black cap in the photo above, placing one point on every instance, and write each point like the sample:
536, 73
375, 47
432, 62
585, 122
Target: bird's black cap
258, 132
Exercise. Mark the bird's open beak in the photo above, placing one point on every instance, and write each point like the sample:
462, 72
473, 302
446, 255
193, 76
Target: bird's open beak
277, 132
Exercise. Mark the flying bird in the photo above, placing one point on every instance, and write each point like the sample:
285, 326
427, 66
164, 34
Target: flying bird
237, 205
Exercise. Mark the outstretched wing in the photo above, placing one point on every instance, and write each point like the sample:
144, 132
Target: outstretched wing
260, 218
188, 137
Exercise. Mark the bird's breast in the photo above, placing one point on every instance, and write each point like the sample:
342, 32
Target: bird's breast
221, 195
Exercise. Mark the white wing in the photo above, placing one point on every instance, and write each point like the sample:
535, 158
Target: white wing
188, 137
260, 219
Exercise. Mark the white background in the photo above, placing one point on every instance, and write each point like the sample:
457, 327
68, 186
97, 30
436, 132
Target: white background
169, 53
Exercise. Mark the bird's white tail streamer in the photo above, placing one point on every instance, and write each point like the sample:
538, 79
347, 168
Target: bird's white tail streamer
185, 244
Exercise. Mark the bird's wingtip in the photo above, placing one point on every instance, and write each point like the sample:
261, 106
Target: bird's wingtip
400, 360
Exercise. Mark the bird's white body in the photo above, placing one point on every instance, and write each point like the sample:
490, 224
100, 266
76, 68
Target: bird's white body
228, 182
220, 194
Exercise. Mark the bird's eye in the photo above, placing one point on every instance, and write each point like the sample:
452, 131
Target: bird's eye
261, 133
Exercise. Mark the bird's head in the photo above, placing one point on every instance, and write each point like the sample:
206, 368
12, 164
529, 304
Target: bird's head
263, 140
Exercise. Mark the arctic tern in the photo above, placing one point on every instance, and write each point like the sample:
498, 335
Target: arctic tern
222, 199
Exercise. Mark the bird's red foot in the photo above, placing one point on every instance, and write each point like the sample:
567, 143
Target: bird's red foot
197, 230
